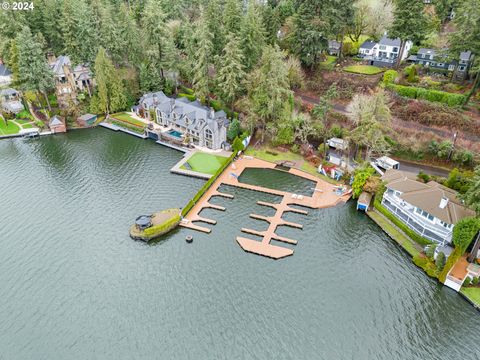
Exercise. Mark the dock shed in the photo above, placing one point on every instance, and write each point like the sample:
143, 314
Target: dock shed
364, 201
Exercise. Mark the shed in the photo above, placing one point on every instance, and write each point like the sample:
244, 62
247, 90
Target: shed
57, 125
363, 201
337, 143
87, 120
387, 163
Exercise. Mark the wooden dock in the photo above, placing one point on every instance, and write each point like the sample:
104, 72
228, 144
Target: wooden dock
323, 196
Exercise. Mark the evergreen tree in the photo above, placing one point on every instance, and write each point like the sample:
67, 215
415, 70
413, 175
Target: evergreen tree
213, 16
252, 36
268, 93
231, 74
472, 195
203, 60
33, 71
466, 37
233, 17
409, 23
341, 15
310, 29
110, 96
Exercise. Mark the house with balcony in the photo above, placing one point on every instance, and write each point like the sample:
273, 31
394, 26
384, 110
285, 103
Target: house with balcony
385, 52
70, 80
185, 120
430, 209
439, 61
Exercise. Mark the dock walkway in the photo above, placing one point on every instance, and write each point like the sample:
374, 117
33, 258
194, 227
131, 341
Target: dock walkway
323, 196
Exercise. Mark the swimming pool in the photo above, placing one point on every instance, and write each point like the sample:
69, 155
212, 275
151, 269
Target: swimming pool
175, 133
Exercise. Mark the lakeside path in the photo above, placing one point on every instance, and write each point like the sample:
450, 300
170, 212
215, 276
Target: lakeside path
324, 195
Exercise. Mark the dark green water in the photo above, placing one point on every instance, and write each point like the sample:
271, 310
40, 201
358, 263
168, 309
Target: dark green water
73, 285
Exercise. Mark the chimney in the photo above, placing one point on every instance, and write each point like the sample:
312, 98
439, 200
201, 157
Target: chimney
212, 113
443, 203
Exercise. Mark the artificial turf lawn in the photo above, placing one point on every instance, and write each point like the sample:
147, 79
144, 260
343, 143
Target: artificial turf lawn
206, 163
363, 69
11, 129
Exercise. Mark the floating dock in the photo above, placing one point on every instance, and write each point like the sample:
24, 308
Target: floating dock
323, 196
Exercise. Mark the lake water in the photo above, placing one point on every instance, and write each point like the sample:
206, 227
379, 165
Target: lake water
73, 285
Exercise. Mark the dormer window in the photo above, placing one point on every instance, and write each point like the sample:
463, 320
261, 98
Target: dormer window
443, 203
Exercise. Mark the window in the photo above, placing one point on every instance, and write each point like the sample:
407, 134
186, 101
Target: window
461, 68
395, 49
208, 138
451, 67
382, 47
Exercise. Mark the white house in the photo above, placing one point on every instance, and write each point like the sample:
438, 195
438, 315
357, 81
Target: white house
384, 53
430, 209
5, 76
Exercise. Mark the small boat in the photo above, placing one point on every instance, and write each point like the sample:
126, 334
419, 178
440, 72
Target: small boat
189, 238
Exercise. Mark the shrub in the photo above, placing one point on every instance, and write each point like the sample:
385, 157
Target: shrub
390, 76
234, 129
321, 148
411, 72
360, 177
459, 180
466, 282
452, 260
24, 114
430, 251
237, 145
423, 177
440, 261
426, 265
337, 131
295, 149
464, 232
188, 96
475, 281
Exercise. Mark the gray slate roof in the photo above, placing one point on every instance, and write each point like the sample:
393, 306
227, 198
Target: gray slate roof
57, 66
389, 42
4, 71
465, 55
55, 121
332, 44
426, 51
8, 92
369, 44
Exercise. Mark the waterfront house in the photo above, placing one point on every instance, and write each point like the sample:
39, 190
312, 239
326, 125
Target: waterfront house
86, 120
191, 121
10, 101
5, 76
430, 209
57, 125
69, 79
384, 53
439, 61
333, 47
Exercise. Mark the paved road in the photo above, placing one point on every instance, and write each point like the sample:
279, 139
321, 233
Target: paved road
415, 168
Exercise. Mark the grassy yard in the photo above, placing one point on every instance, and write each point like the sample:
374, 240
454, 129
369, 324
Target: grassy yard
205, 163
268, 154
329, 63
403, 240
126, 117
10, 129
363, 69
473, 294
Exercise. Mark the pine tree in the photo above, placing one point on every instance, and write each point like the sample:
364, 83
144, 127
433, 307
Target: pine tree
203, 60
34, 72
252, 36
472, 195
409, 23
268, 92
231, 73
341, 15
466, 37
110, 96
233, 17
213, 16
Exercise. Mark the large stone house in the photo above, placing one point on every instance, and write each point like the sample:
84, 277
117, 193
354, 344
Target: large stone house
384, 53
430, 209
69, 80
192, 121
439, 61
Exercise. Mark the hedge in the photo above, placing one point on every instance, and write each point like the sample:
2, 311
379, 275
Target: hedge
389, 76
152, 231
429, 95
206, 186
452, 260
464, 232
409, 232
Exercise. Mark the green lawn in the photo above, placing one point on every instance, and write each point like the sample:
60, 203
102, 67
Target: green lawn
363, 69
205, 163
27, 126
329, 62
8, 130
403, 240
473, 294
126, 117
266, 154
